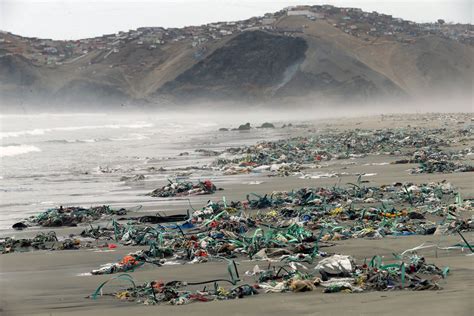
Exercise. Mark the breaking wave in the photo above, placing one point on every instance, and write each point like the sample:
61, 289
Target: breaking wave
42, 131
129, 137
96, 140
8, 151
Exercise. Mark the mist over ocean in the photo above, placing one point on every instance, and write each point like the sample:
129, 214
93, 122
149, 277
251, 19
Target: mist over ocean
50, 159
70, 159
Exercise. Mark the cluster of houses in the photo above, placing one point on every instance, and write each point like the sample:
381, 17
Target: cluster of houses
353, 21
372, 24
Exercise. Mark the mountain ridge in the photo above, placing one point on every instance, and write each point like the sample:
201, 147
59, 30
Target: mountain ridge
320, 52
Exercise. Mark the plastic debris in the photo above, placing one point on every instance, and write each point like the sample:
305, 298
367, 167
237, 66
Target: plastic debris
42, 241
409, 273
184, 188
433, 160
290, 156
290, 226
71, 216
337, 265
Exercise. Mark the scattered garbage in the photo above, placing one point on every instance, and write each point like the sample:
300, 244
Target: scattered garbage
127, 263
433, 160
286, 228
291, 226
69, 216
339, 273
288, 233
158, 218
287, 225
177, 292
290, 156
184, 188
42, 241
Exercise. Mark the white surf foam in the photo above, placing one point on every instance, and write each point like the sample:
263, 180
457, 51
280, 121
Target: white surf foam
9, 151
130, 137
42, 131
134, 136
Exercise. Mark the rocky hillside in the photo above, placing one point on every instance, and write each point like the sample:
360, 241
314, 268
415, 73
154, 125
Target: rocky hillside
251, 65
308, 53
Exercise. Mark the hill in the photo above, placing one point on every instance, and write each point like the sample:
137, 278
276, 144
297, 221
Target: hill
321, 52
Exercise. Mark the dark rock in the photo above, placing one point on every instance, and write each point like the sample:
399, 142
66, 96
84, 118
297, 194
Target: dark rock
244, 127
19, 226
267, 125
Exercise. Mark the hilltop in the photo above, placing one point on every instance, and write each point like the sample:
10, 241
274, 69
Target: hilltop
300, 52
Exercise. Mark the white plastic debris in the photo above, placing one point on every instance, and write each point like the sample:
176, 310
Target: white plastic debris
336, 264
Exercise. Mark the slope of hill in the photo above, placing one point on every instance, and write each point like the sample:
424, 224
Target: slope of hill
275, 57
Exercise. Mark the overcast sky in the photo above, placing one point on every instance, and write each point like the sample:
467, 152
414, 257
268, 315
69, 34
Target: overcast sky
73, 19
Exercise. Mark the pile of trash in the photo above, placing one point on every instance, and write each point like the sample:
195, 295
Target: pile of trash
443, 166
221, 236
340, 273
128, 263
184, 188
42, 241
69, 216
285, 157
433, 160
178, 292
336, 273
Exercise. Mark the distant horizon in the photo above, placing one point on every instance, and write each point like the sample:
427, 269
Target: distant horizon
73, 19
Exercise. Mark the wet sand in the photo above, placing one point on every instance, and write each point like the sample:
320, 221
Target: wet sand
49, 282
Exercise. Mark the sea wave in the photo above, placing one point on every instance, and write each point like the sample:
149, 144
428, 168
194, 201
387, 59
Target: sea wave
134, 136
8, 151
130, 137
42, 131
74, 141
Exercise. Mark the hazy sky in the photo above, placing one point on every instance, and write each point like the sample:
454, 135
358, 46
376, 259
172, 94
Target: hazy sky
73, 19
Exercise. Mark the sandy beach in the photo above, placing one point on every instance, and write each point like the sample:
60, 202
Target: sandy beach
56, 282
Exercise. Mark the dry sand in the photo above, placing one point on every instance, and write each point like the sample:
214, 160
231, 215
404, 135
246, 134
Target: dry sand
49, 283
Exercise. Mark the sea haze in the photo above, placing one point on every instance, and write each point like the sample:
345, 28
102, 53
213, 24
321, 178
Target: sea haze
79, 159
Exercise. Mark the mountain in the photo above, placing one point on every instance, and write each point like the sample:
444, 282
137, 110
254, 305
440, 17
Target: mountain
316, 52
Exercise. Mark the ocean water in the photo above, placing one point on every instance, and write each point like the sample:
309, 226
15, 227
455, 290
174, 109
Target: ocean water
78, 159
